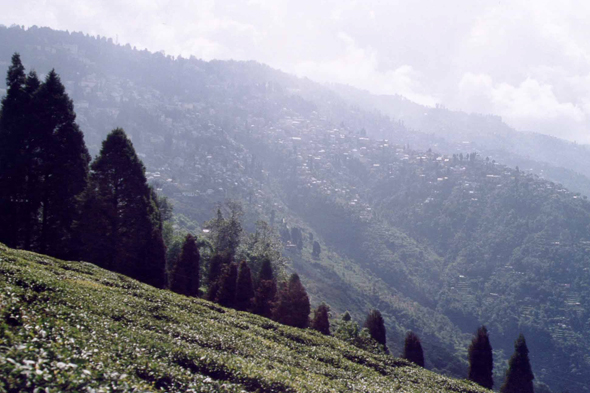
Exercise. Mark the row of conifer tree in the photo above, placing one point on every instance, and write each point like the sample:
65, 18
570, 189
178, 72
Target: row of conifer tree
55, 201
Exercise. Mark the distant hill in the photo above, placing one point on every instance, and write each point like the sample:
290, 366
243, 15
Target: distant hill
71, 326
439, 240
453, 131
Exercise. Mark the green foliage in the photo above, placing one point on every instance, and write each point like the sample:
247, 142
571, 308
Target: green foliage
376, 327
413, 349
44, 164
264, 298
226, 232
71, 327
292, 307
64, 169
260, 246
481, 359
346, 329
122, 227
186, 275
321, 319
226, 294
15, 160
445, 246
519, 375
244, 288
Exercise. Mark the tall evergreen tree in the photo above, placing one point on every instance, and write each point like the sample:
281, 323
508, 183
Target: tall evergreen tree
226, 296
413, 349
44, 164
185, 278
245, 288
376, 326
519, 376
18, 201
266, 290
121, 227
293, 306
215, 268
481, 359
64, 166
321, 319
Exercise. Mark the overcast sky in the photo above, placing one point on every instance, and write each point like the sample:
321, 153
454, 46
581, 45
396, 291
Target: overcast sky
527, 61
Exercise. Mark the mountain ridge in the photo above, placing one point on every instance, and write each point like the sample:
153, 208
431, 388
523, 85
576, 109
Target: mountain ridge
382, 208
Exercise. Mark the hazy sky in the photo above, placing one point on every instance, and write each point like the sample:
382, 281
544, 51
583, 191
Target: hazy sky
528, 61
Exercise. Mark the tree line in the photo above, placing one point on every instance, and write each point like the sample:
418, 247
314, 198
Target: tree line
55, 200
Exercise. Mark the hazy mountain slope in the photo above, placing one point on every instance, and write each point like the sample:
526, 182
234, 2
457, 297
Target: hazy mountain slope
210, 131
73, 326
395, 230
454, 131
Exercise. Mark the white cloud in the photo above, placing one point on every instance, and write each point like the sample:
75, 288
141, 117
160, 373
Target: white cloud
360, 67
530, 105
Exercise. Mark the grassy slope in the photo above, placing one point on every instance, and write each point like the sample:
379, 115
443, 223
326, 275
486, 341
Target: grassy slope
72, 326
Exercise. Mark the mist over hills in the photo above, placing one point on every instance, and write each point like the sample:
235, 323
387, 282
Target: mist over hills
410, 219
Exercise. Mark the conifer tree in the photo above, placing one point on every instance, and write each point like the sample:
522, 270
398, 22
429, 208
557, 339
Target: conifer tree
63, 166
185, 278
121, 228
519, 375
481, 361
216, 265
266, 291
17, 178
226, 296
245, 288
266, 271
44, 164
293, 306
321, 321
376, 326
413, 349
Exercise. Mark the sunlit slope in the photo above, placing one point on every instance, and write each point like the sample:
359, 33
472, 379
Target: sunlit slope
69, 326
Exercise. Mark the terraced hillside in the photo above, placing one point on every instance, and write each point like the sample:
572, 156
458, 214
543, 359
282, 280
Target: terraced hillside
71, 326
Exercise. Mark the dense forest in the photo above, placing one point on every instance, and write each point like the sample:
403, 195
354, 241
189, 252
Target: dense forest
441, 238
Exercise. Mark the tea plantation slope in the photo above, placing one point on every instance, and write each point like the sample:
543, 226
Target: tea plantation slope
71, 326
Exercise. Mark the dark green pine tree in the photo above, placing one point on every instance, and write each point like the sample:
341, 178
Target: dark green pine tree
63, 167
266, 291
121, 225
185, 278
519, 376
245, 288
292, 307
321, 319
18, 152
481, 359
226, 295
376, 327
413, 349
216, 265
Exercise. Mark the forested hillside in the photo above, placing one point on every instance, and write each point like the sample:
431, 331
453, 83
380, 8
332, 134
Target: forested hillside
440, 240
549, 157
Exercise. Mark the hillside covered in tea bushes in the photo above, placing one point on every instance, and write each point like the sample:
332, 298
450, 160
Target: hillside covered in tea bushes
71, 326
